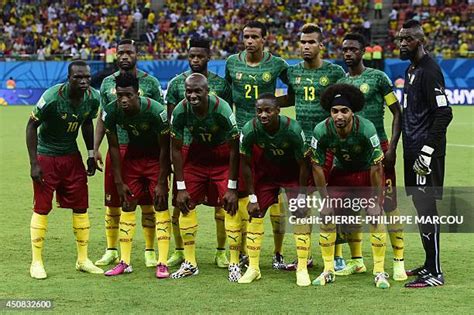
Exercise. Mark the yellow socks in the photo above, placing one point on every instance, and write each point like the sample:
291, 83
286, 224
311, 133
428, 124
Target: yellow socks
219, 217
81, 226
38, 227
148, 224
395, 231
126, 233
188, 226
244, 217
354, 238
278, 225
163, 227
338, 250
178, 241
327, 240
254, 242
233, 227
378, 241
303, 243
112, 219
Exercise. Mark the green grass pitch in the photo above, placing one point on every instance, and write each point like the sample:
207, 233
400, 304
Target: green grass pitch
140, 291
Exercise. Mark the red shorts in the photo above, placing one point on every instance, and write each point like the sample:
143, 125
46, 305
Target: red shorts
328, 164
140, 173
390, 192
206, 172
269, 177
111, 197
67, 176
349, 184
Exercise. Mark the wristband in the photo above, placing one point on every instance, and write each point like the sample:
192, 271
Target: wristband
181, 185
427, 149
90, 153
253, 198
232, 184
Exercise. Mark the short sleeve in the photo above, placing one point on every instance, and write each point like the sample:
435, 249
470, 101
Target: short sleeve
171, 94
386, 88
283, 75
318, 146
373, 144
109, 121
299, 141
177, 122
43, 107
229, 121
247, 139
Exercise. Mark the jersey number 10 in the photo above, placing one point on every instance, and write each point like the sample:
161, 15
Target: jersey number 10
72, 126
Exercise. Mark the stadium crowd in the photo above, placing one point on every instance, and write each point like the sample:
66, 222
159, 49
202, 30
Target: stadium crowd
85, 30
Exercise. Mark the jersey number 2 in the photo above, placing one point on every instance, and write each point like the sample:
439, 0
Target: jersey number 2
248, 90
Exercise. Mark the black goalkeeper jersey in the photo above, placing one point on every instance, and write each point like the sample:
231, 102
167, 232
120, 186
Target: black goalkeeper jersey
426, 112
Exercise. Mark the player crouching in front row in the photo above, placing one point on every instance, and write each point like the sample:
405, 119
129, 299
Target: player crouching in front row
146, 165
358, 157
275, 145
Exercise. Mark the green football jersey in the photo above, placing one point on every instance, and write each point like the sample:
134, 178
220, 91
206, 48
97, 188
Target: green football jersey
249, 82
217, 127
144, 128
288, 143
377, 88
60, 121
149, 86
307, 86
176, 92
358, 151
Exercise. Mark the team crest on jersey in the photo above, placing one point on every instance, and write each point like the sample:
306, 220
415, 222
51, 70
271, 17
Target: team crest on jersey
145, 126
64, 116
324, 80
284, 145
357, 149
364, 88
266, 76
238, 75
298, 80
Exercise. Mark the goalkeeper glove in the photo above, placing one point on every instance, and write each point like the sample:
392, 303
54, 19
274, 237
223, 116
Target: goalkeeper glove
422, 163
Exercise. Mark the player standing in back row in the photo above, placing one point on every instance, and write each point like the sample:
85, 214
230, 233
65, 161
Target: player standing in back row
149, 87
426, 116
250, 73
306, 82
199, 54
378, 90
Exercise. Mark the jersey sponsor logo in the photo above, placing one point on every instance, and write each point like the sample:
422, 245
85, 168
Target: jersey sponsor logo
375, 141
314, 143
310, 80
74, 116
324, 80
254, 77
266, 76
41, 103
64, 116
232, 119
364, 88
144, 126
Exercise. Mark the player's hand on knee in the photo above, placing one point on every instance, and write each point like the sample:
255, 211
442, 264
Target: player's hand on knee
36, 173
161, 197
390, 158
422, 163
230, 201
183, 201
99, 164
374, 211
124, 193
326, 213
91, 166
253, 209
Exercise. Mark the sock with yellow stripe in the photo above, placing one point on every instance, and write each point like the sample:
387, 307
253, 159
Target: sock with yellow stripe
278, 225
338, 250
148, 224
38, 228
112, 219
163, 232
395, 231
244, 221
327, 240
219, 217
378, 242
233, 227
81, 227
178, 241
354, 238
188, 226
127, 231
254, 242
303, 243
